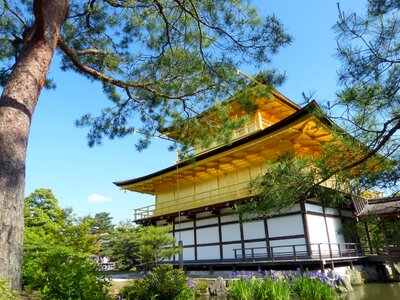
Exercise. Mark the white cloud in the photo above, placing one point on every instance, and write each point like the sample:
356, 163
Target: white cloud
96, 198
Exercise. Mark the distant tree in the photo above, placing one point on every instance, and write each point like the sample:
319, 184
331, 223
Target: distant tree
100, 224
57, 251
370, 80
41, 209
156, 244
123, 245
149, 245
159, 61
44, 219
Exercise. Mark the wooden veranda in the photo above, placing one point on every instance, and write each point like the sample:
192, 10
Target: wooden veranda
383, 211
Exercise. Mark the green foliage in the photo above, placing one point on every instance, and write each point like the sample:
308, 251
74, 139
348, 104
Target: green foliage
376, 227
249, 286
269, 289
201, 286
156, 244
100, 227
42, 210
283, 183
241, 289
164, 283
5, 293
123, 245
332, 174
312, 288
286, 181
47, 224
271, 285
57, 249
61, 273
149, 245
370, 99
100, 224
159, 62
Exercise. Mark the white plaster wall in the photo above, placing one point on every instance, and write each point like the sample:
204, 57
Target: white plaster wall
208, 252
253, 230
230, 232
284, 226
207, 235
314, 208
184, 225
207, 221
316, 229
188, 253
289, 242
334, 225
295, 208
332, 211
255, 245
229, 218
260, 248
187, 237
228, 250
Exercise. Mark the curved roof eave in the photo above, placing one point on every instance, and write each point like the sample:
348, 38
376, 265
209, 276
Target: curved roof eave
311, 108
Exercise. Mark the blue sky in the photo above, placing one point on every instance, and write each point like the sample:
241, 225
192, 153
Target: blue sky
81, 177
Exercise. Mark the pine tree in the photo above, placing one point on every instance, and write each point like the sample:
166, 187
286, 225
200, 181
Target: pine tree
159, 61
370, 98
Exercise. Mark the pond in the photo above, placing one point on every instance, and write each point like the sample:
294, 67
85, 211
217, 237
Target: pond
369, 291
375, 291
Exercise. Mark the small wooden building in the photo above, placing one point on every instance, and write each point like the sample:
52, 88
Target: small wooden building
197, 196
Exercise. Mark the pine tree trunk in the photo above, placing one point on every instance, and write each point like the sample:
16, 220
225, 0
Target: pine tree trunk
17, 104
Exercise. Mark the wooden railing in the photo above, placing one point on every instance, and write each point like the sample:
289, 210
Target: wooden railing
313, 251
110, 266
219, 195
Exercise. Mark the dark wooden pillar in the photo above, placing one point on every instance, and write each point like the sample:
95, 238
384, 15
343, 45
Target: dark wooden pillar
305, 227
370, 246
388, 252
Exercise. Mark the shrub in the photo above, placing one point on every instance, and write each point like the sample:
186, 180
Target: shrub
5, 293
201, 287
60, 274
163, 283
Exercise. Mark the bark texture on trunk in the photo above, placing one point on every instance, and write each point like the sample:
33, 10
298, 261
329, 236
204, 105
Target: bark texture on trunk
17, 104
